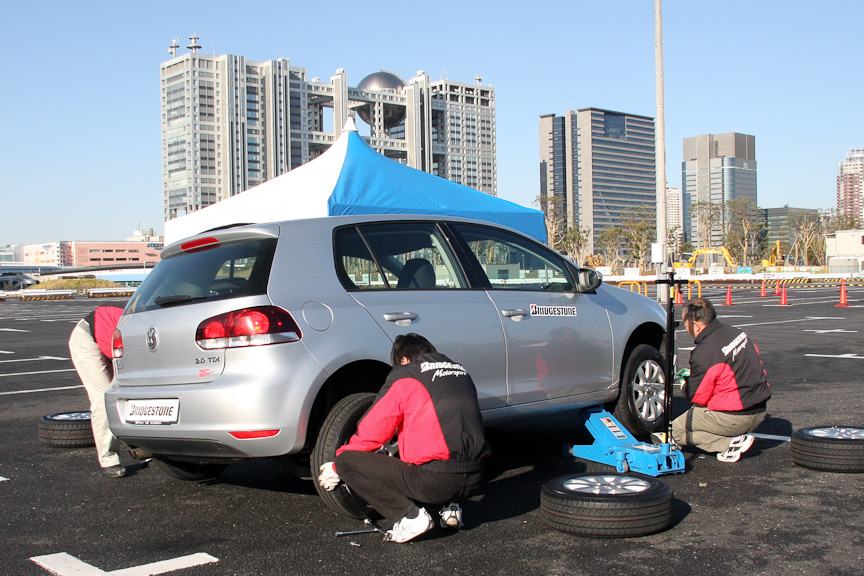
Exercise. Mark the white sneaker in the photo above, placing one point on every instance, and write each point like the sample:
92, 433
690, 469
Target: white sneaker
737, 447
409, 528
451, 516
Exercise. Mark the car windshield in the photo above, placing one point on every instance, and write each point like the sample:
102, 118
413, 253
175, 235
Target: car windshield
226, 271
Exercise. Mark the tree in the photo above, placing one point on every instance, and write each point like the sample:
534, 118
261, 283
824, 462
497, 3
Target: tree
673, 242
555, 217
639, 231
745, 231
609, 245
808, 232
840, 221
575, 242
708, 216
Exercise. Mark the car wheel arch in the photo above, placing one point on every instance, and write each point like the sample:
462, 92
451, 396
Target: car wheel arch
352, 378
649, 334
646, 333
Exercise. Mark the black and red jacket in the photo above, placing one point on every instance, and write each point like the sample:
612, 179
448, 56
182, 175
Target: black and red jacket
726, 373
431, 404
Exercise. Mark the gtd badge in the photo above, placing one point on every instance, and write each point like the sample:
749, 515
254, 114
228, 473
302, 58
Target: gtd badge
152, 339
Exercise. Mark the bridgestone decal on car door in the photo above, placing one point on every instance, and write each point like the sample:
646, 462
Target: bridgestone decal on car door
537, 310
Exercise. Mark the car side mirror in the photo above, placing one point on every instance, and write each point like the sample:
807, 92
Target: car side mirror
589, 279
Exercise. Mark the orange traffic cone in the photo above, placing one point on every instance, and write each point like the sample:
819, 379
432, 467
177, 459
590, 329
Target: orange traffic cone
728, 296
762, 294
777, 288
783, 300
678, 298
843, 303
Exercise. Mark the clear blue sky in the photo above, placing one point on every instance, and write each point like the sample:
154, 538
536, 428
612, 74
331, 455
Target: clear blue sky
80, 155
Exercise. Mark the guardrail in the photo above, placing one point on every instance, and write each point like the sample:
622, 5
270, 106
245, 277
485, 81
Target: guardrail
39, 294
108, 292
27, 295
637, 284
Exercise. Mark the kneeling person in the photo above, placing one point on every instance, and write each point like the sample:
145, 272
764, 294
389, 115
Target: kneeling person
430, 403
727, 385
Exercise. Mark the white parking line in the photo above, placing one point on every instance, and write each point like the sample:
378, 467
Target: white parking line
33, 359
12, 330
40, 390
831, 331
795, 320
64, 564
846, 356
6, 352
39, 372
2, 479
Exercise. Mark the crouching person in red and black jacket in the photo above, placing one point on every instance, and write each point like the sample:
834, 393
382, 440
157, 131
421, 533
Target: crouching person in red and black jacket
430, 403
727, 385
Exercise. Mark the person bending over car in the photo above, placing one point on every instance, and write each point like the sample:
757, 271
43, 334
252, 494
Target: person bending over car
430, 402
90, 349
727, 385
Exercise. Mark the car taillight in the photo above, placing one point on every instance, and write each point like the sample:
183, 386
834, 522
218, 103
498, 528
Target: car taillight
247, 327
117, 344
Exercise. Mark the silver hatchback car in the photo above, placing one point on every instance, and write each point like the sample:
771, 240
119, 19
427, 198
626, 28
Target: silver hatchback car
268, 341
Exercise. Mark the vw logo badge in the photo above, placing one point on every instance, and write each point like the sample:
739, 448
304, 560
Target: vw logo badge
152, 338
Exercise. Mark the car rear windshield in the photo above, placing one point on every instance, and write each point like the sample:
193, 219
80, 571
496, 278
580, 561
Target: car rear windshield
226, 271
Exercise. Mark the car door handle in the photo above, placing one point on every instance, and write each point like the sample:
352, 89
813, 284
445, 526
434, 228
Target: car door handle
517, 314
400, 318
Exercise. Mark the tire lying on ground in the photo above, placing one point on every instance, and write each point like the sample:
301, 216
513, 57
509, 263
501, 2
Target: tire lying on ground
66, 430
606, 505
338, 427
829, 448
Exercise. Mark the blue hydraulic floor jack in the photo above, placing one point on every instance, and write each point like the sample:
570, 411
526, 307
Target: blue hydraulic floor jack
614, 445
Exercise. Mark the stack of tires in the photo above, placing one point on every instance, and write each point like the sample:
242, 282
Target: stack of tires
66, 430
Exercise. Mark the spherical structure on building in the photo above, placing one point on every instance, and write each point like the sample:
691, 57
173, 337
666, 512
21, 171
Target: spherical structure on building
393, 113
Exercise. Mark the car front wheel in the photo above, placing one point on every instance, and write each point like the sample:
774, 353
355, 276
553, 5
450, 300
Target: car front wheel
642, 400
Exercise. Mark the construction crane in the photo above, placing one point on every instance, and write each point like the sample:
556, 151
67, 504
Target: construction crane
715, 256
774, 257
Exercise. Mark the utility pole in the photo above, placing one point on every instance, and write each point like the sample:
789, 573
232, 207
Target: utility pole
660, 143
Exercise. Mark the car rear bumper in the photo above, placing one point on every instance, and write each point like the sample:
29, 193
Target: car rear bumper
253, 394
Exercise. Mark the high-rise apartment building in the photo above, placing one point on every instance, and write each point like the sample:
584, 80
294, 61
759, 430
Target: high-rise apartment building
850, 185
716, 168
674, 218
229, 123
595, 165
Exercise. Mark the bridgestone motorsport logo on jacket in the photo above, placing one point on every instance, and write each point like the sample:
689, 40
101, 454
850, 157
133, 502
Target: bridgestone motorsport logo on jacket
726, 373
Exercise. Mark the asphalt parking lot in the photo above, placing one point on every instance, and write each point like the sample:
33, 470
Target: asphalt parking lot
762, 515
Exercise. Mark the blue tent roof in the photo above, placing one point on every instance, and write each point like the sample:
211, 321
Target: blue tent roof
371, 183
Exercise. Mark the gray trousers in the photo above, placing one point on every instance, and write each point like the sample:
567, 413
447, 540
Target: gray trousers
95, 371
712, 431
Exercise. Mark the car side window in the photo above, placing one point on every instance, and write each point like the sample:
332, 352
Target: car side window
396, 256
515, 263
